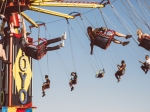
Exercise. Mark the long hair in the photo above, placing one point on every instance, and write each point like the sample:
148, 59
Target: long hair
90, 32
139, 31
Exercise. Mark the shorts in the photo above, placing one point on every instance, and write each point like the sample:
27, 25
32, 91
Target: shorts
119, 73
73, 81
45, 86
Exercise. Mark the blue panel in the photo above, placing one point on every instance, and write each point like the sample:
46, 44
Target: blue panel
4, 109
29, 110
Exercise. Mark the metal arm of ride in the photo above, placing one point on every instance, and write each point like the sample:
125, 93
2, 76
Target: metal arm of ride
51, 12
29, 19
57, 4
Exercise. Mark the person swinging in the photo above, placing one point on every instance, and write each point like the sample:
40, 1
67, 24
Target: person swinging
37, 51
144, 39
94, 35
73, 80
121, 70
46, 85
146, 65
2, 51
100, 73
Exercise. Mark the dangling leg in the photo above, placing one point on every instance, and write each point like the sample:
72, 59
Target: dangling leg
143, 68
43, 92
70, 83
55, 47
23, 32
119, 42
92, 45
63, 37
122, 35
52, 48
117, 76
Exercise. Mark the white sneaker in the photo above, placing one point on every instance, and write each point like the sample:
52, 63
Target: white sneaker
64, 36
62, 44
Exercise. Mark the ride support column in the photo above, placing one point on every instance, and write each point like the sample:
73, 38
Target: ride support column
12, 18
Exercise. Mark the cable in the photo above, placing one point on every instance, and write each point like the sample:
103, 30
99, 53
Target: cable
40, 72
73, 60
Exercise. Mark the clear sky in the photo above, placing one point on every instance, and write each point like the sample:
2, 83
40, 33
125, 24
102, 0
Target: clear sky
132, 94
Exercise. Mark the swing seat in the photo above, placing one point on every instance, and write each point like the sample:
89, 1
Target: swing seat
120, 73
145, 43
99, 74
17, 35
103, 40
74, 82
36, 51
46, 86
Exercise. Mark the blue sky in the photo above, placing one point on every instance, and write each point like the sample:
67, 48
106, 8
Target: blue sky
91, 94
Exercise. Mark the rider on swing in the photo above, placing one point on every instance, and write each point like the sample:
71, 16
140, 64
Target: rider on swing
94, 32
100, 73
146, 65
2, 51
74, 80
142, 35
46, 85
121, 70
33, 48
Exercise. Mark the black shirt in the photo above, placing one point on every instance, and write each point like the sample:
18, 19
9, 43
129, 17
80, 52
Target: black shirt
47, 81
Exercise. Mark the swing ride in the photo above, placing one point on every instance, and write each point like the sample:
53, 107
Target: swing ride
16, 95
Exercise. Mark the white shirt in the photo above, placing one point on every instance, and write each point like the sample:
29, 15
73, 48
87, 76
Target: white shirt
148, 61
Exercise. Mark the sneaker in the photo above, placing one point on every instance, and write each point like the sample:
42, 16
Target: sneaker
146, 71
62, 44
128, 36
64, 36
125, 43
43, 95
72, 88
119, 80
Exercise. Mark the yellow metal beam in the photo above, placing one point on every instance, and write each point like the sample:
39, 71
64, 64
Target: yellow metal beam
51, 12
29, 19
57, 4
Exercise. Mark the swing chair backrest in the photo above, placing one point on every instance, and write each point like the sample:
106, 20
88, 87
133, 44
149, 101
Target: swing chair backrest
100, 74
103, 40
145, 43
36, 51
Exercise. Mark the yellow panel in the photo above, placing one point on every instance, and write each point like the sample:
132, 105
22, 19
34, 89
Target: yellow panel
16, 70
12, 109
